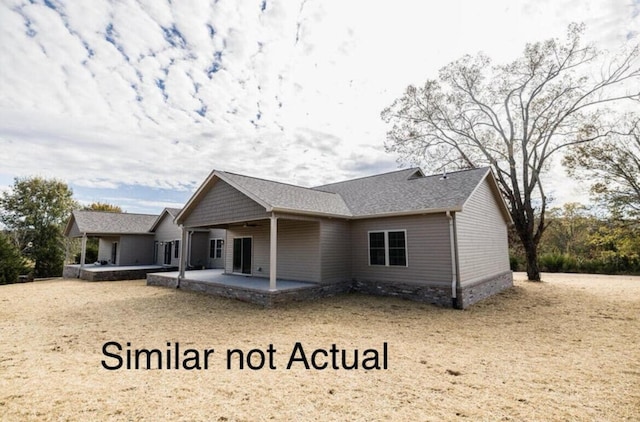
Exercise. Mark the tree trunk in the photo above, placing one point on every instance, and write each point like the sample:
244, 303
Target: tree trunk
531, 252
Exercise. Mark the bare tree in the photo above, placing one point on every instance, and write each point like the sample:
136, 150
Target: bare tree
514, 118
613, 166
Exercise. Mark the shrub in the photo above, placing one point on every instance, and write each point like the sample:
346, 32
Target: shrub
553, 263
12, 264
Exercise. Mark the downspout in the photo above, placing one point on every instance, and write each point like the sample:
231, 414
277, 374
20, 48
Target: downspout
182, 262
454, 272
189, 249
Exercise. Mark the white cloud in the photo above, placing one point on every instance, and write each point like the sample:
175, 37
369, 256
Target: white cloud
158, 93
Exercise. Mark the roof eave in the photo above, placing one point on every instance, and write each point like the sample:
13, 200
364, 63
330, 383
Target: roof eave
408, 212
309, 212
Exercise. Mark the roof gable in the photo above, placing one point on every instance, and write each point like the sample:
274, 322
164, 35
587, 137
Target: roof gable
90, 223
171, 213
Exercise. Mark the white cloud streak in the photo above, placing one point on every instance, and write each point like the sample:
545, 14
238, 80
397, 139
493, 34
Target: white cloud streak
156, 93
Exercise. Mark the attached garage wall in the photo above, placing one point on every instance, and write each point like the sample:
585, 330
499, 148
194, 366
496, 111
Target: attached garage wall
483, 249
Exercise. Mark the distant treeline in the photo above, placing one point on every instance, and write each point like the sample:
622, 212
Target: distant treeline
579, 241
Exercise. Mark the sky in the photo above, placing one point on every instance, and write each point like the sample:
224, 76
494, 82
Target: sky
135, 102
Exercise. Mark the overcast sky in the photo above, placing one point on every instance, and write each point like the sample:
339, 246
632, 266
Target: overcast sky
135, 102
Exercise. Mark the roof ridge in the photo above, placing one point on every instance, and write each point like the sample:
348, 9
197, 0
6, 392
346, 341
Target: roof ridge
368, 177
457, 171
116, 212
271, 181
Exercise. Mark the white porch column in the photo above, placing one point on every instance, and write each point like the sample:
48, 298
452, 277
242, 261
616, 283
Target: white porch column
273, 252
83, 251
183, 255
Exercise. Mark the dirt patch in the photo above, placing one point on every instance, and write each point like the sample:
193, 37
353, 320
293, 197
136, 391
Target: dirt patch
564, 349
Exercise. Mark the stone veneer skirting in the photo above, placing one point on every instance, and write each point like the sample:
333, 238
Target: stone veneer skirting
261, 297
434, 294
110, 275
482, 289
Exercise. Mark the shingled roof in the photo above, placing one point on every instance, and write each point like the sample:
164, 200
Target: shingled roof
285, 197
407, 191
401, 192
94, 223
171, 212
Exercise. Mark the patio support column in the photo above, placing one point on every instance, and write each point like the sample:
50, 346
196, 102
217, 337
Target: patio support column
183, 256
273, 252
83, 251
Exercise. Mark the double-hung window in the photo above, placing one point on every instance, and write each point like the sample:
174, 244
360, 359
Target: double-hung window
388, 248
215, 248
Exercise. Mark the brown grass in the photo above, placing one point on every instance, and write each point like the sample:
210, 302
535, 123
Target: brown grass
564, 349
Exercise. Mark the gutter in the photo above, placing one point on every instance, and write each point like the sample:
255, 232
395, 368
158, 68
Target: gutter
454, 272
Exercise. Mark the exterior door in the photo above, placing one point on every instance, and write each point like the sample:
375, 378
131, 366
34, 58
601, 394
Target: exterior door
167, 253
242, 255
114, 253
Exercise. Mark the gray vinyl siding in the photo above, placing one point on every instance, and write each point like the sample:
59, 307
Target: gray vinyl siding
335, 247
104, 248
167, 230
135, 250
224, 204
298, 249
428, 250
74, 231
482, 237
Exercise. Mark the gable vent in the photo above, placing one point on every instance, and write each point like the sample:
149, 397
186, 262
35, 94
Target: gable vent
418, 174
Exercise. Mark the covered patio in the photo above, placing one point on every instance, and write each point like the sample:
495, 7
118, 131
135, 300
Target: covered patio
257, 290
111, 272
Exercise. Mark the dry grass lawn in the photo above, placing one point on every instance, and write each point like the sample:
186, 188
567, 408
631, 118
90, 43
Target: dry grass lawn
564, 349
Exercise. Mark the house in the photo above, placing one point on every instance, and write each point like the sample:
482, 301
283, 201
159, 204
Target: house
201, 242
131, 245
440, 239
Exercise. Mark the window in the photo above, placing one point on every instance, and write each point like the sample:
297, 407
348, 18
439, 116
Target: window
215, 248
176, 245
388, 248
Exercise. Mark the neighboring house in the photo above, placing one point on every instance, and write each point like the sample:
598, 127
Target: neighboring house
136, 240
123, 238
440, 239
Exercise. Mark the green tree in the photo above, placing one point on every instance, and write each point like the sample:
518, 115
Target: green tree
612, 165
12, 263
514, 118
102, 206
36, 209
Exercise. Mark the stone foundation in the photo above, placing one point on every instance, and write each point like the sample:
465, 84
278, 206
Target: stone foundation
439, 295
261, 297
114, 274
434, 294
482, 289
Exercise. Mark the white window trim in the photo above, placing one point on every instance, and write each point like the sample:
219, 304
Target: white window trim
386, 248
215, 249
